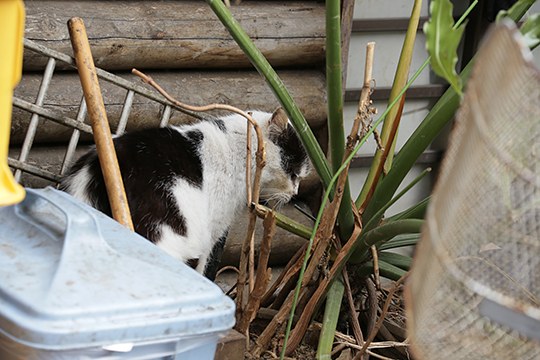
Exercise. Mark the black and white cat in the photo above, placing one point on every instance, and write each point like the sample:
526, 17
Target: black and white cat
185, 184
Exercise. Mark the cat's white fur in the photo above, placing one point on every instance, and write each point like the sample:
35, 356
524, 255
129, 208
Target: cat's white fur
210, 211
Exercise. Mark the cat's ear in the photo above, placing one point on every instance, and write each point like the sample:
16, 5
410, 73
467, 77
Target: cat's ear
279, 120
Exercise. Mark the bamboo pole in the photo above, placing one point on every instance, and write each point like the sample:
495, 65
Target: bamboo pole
100, 124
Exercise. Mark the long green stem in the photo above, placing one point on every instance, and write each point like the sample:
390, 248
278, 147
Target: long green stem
336, 132
335, 107
285, 222
263, 67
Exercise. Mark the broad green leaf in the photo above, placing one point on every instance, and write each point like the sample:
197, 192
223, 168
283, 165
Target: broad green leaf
531, 31
442, 41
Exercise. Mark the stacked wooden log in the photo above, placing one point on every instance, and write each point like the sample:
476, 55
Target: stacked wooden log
185, 48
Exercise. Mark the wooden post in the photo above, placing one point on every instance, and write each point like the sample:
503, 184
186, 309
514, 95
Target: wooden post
100, 124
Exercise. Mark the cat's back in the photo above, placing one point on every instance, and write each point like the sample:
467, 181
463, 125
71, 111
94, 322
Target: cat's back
147, 158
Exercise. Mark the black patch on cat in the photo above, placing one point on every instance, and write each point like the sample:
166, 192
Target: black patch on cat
293, 154
149, 160
214, 260
193, 263
220, 124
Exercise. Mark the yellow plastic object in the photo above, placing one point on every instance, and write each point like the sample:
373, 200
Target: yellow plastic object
11, 41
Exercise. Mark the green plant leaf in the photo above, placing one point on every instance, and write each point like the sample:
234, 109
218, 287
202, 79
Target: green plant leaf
516, 11
531, 30
400, 241
330, 319
386, 270
442, 41
401, 261
371, 224
416, 211
383, 233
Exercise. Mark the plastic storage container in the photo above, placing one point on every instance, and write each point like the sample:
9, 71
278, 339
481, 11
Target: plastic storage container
75, 284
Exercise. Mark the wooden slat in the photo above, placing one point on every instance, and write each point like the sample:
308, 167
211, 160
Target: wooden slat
380, 25
179, 34
415, 92
429, 157
244, 89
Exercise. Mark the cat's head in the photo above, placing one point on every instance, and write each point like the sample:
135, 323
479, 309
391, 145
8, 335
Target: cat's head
286, 160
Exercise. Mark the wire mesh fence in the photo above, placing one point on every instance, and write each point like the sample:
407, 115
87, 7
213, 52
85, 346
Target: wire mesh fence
475, 286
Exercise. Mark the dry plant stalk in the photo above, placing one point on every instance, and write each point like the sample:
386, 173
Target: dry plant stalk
263, 275
277, 321
287, 273
376, 272
357, 331
303, 322
373, 303
323, 236
384, 148
363, 113
383, 314
251, 262
252, 195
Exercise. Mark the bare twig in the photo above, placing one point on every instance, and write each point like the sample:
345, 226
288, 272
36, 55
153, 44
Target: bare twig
372, 305
378, 345
264, 339
251, 262
225, 268
263, 274
350, 341
364, 112
338, 348
386, 305
384, 148
248, 160
375, 257
357, 331
285, 274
